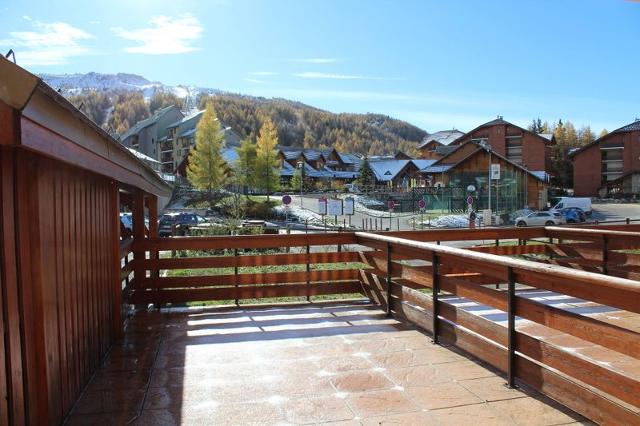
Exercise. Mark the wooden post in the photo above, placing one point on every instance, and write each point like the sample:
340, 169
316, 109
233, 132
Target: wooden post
152, 205
308, 275
235, 273
605, 255
389, 265
511, 324
139, 277
116, 314
435, 286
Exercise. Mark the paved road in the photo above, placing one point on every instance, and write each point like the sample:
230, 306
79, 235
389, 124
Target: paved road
611, 211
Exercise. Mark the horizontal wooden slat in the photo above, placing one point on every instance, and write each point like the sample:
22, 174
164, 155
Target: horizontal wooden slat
610, 291
257, 292
512, 250
248, 279
244, 241
590, 403
250, 260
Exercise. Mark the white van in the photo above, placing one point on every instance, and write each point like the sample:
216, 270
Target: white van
582, 203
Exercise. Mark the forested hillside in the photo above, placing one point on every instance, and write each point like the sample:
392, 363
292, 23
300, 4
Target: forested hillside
298, 125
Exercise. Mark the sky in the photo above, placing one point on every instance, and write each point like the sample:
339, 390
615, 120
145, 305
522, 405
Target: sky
436, 64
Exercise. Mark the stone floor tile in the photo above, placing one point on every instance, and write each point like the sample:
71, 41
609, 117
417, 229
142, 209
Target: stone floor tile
361, 381
109, 401
105, 419
441, 395
469, 415
378, 403
464, 370
417, 418
317, 410
117, 380
416, 376
492, 389
533, 411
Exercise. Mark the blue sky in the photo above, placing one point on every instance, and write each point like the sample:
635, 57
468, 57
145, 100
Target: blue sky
436, 64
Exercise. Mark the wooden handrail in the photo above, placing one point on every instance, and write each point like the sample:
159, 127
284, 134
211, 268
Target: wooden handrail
618, 292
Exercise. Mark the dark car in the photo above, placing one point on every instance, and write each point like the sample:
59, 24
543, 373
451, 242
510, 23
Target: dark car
179, 223
575, 213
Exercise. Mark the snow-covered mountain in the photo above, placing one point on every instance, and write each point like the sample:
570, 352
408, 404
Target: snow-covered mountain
71, 84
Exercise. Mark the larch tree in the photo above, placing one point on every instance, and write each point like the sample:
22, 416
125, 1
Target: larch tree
206, 170
267, 165
603, 133
245, 166
366, 180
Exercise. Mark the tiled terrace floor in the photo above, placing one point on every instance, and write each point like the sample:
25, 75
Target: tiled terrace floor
310, 364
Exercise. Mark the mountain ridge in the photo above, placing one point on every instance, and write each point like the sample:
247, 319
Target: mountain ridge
118, 101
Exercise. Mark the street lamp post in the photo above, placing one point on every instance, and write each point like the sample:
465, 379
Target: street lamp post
301, 168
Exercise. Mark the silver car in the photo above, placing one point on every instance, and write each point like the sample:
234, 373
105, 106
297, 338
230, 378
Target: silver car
541, 219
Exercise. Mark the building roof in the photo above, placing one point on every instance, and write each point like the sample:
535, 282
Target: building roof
102, 154
421, 164
186, 119
631, 127
547, 137
386, 170
187, 133
443, 168
437, 168
443, 137
143, 157
142, 124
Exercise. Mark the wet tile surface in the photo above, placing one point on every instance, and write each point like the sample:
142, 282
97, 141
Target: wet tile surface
312, 364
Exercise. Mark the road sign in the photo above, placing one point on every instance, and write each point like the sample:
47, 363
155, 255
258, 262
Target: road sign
349, 206
495, 171
422, 204
469, 199
286, 200
391, 205
334, 207
322, 206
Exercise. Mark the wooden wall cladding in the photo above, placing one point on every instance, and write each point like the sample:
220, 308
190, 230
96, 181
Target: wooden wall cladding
65, 275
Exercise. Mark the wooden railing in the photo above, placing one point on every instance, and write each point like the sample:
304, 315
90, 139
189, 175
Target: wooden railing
410, 274
601, 393
231, 254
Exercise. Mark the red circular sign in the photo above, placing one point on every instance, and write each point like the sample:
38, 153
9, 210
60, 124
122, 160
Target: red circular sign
422, 204
286, 200
391, 204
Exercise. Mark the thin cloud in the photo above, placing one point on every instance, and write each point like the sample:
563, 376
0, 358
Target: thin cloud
165, 36
317, 60
254, 80
331, 76
49, 44
263, 73
27, 18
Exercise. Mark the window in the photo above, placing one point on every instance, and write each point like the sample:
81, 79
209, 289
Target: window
514, 149
611, 163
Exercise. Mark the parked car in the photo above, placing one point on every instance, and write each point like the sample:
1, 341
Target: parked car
180, 222
566, 202
541, 219
574, 214
126, 225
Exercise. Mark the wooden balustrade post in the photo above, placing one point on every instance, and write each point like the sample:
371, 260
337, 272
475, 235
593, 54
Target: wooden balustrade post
308, 274
116, 308
435, 278
511, 324
605, 254
389, 266
152, 205
235, 273
139, 273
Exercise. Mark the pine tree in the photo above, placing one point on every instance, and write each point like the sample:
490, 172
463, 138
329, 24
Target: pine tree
366, 180
206, 170
267, 166
245, 167
296, 180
